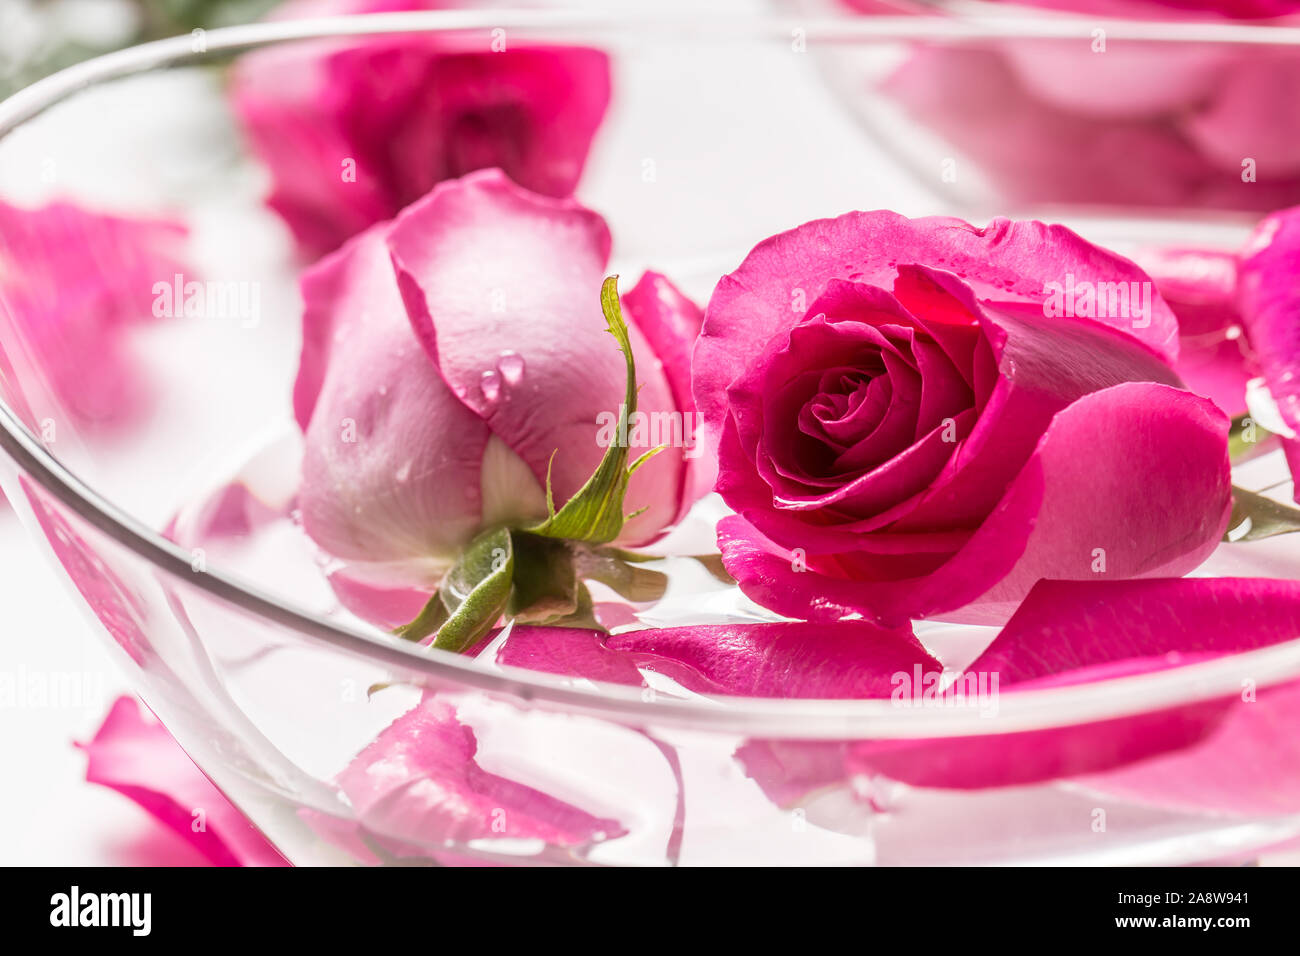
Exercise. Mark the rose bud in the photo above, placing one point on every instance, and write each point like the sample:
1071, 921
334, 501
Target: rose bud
354, 130
918, 416
454, 368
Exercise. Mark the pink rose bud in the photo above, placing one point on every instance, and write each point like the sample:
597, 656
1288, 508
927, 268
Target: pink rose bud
455, 355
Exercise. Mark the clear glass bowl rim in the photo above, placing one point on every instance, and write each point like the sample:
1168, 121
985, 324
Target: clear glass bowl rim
758, 717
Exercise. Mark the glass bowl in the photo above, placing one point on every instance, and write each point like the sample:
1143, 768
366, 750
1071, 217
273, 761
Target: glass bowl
175, 523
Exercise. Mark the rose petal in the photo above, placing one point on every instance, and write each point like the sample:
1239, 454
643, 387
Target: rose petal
850, 659
1269, 302
1031, 151
1249, 764
140, 760
1200, 285
490, 272
1077, 632
383, 481
1157, 506
1004, 261
419, 783
671, 323
1131, 80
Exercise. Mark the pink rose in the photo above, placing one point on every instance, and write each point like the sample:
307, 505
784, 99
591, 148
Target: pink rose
452, 356
355, 130
910, 422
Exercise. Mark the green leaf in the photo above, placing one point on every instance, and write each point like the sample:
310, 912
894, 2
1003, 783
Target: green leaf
545, 583
1255, 517
595, 513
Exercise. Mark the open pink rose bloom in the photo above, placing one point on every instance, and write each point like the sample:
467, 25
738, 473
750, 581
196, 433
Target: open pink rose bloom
628, 463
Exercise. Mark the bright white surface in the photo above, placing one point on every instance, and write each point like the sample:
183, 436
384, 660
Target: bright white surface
49, 815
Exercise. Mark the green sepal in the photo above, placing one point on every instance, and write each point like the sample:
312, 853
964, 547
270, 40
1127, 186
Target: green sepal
584, 613
626, 578
713, 564
546, 582
431, 617
595, 513
472, 597
1255, 517
1247, 439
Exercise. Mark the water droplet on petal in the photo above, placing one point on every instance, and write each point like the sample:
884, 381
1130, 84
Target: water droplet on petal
511, 366
403, 473
489, 384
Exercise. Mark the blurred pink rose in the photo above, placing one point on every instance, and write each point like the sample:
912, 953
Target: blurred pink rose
448, 355
75, 284
1160, 9
919, 416
1119, 121
354, 130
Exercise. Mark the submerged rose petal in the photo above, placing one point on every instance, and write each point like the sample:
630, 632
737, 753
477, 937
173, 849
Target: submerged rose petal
1076, 632
1249, 764
849, 659
419, 783
140, 760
